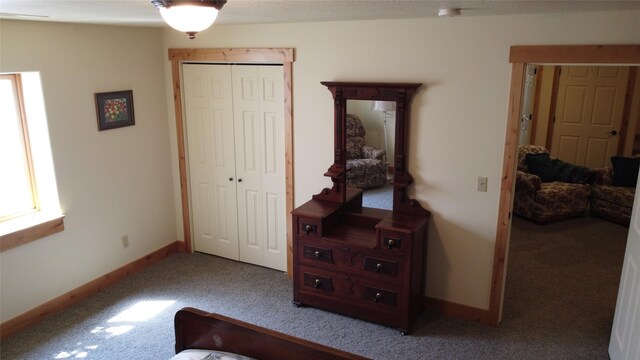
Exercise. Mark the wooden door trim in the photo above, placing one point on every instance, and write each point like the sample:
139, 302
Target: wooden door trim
626, 111
519, 56
536, 104
284, 56
552, 107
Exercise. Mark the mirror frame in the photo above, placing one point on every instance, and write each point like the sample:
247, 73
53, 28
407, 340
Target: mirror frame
401, 94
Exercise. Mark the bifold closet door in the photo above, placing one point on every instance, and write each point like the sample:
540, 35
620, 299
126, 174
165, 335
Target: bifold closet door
235, 134
259, 137
211, 158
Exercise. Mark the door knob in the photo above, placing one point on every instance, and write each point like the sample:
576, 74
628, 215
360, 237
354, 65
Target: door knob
612, 133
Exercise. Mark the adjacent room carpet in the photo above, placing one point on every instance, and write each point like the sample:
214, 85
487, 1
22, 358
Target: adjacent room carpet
560, 297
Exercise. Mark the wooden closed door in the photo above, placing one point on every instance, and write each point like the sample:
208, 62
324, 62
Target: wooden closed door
235, 135
588, 116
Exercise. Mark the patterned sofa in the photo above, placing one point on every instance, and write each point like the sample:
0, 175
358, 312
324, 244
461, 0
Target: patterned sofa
544, 199
614, 189
365, 167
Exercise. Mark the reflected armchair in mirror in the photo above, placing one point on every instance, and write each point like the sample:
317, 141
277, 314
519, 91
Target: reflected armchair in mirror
365, 165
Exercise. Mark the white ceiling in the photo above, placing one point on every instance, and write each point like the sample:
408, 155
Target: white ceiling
142, 13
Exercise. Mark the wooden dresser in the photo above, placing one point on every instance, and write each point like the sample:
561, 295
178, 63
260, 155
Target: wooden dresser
358, 261
361, 262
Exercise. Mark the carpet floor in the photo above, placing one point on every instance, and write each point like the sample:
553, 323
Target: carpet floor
559, 301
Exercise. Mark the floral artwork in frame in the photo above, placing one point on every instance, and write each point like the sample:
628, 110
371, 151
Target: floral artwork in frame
115, 109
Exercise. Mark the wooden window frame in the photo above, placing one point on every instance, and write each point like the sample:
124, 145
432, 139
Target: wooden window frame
26, 147
31, 225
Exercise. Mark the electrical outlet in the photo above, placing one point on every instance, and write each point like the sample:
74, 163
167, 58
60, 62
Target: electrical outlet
482, 184
125, 241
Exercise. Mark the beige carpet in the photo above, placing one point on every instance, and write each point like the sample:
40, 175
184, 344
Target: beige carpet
560, 295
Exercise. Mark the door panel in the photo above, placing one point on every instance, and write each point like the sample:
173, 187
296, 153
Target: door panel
590, 104
273, 166
625, 333
211, 158
258, 101
248, 149
567, 148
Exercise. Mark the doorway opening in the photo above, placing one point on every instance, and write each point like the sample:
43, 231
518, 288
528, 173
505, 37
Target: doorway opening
565, 274
520, 56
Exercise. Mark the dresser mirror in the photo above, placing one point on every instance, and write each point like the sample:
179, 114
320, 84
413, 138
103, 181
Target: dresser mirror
370, 146
352, 98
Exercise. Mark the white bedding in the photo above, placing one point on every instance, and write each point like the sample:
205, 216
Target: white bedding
198, 354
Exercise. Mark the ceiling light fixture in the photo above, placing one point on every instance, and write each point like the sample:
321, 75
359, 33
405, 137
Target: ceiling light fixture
189, 16
449, 12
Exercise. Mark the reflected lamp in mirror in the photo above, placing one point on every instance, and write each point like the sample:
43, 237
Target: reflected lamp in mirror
189, 16
385, 107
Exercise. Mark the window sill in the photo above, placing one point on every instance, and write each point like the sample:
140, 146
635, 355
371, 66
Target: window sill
29, 228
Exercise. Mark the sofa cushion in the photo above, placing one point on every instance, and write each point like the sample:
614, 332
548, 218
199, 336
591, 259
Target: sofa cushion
567, 172
620, 195
540, 165
625, 170
555, 192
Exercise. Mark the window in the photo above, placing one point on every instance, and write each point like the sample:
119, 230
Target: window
29, 205
17, 187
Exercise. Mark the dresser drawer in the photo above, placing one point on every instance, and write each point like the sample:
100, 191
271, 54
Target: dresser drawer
380, 296
373, 264
317, 282
308, 227
380, 266
318, 254
394, 242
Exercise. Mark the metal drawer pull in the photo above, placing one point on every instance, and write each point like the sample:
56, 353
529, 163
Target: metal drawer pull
318, 254
378, 297
307, 229
390, 243
378, 267
316, 284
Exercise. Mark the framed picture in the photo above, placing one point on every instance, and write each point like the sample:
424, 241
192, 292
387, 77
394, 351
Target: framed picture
115, 109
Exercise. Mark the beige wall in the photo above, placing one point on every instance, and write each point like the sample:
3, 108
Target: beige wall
110, 183
459, 115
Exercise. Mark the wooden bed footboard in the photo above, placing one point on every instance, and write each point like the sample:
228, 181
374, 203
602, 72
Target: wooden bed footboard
197, 329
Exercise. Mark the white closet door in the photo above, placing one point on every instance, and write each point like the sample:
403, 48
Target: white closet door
259, 135
211, 158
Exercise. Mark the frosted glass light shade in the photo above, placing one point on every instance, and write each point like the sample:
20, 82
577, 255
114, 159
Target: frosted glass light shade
189, 18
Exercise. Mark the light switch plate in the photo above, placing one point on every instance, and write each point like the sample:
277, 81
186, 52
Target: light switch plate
482, 184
